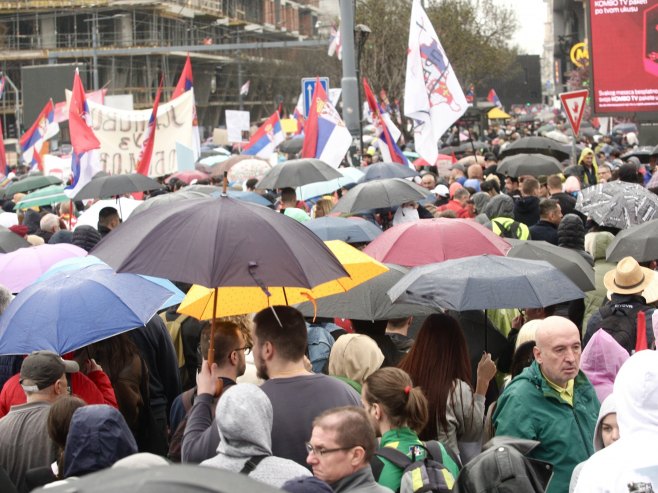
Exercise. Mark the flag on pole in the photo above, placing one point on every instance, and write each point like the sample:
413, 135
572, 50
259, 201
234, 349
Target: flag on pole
492, 97
244, 90
2, 86
268, 136
470, 94
298, 114
144, 162
185, 81
325, 135
85, 159
32, 141
386, 143
433, 97
335, 45
4, 165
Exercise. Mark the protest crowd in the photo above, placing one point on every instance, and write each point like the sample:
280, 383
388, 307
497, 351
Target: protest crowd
476, 317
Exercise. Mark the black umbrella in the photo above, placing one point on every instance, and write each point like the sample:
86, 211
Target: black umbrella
537, 145
618, 204
115, 185
527, 118
292, 146
298, 172
168, 199
30, 183
10, 241
529, 164
380, 171
642, 153
380, 194
639, 242
175, 478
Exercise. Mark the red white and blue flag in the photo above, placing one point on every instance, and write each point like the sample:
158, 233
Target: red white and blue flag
85, 160
266, 139
325, 135
2, 86
32, 141
186, 83
4, 165
335, 44
492, 97
386, 143
144, 162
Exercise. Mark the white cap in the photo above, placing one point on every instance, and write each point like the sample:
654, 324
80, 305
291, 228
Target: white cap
441, 191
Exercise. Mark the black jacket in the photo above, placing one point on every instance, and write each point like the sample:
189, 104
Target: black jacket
544, 231
526, 210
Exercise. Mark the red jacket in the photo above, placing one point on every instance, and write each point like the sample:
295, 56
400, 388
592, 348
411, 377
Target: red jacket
454, 205
94, 388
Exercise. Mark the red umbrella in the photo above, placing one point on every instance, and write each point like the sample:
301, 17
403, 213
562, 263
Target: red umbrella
428, 241
189, 176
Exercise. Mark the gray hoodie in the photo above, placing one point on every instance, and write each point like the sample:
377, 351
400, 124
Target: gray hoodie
244, 421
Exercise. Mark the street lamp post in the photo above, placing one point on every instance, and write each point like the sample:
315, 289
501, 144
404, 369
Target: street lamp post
361, 33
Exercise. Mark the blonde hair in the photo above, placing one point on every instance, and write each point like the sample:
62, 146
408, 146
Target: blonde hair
323, 207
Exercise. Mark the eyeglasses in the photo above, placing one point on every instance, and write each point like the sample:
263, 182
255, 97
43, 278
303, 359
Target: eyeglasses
319, 452
246, 349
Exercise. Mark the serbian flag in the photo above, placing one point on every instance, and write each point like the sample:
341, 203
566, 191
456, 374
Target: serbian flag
325, 135
85, 159
32, 141
492, 97
185, 81
144, 162
4, 165
433, 96
298, 114
2, 86
335, 45
268, 136
387, 145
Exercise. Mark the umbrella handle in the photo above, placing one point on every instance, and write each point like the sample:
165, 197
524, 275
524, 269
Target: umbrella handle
486, 342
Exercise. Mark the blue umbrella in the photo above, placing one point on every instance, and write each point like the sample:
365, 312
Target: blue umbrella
381, 171
252, 197
347, 230
73, 309
78, 263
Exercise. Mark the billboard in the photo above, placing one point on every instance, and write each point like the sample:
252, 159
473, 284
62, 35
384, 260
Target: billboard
623, 49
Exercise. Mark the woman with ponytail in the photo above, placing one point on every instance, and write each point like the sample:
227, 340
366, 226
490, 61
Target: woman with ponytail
398, 411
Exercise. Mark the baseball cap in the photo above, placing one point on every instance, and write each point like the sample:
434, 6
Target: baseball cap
41, 369
441, 190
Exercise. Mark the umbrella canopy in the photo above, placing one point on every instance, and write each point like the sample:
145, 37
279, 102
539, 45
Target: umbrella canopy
77, 263
618, 204
298, 172
351, 230
537, 145
52, 194
569, 262
483, 282
201, 303
220, 242
379, 194
227, 164
10, 241
497, 114
248, 168
75, 308
20, 268
168, 199
529, 164
367, 301
188, 177
435, 240
252, 197
30, 183
639, 242
293, 145
642, 153
557, 136
310, 190
380, 171
115, 185
123, 205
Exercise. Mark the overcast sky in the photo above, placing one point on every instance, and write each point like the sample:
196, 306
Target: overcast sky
531, 15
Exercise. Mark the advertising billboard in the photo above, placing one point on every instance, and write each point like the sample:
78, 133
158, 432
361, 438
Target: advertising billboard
623, 49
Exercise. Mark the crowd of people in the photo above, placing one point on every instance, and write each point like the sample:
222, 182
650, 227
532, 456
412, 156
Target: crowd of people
568, 402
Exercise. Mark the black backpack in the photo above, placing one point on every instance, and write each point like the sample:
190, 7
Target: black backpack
509, 231
621, 324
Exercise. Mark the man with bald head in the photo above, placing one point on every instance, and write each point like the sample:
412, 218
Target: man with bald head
553, 402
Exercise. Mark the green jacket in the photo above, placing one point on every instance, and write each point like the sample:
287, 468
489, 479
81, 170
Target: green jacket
530, 408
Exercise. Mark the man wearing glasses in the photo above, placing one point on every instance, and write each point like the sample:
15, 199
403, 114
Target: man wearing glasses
339, 451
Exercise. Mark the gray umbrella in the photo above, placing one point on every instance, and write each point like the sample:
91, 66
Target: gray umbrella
114, 185
168, 199
537, 145
639, 242
529, 164
379, 171
380, 194
344, 229
368, 301
570, 262
10, 241
298, 172
618, 204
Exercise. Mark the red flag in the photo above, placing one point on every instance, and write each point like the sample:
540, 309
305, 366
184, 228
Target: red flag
280, 109
641, 336
453, 158
394, 152
4, 166
185, 81
82, 136
149, 138
309, 148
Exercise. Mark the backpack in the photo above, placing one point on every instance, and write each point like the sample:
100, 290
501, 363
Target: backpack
426, 475
510, 230
176, 438
620, 324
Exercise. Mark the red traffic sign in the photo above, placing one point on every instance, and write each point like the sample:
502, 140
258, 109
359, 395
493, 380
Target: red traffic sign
574, 106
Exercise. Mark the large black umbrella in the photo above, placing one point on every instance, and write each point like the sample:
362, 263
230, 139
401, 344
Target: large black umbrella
529, 164
379, 194
618, 204
380, 171
639, 242
175, 478
367, 301
537, 145
570, 262
298, 172
642, 153
292, 146
10, 241
30, 183
115, 185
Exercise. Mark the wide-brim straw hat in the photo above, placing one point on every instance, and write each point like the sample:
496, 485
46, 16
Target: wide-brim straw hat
628, 277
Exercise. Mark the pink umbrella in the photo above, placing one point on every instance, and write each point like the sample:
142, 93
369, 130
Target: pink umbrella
428, 241
188, 176
20, 268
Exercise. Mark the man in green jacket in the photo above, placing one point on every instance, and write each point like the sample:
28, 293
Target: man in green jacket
552, 402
